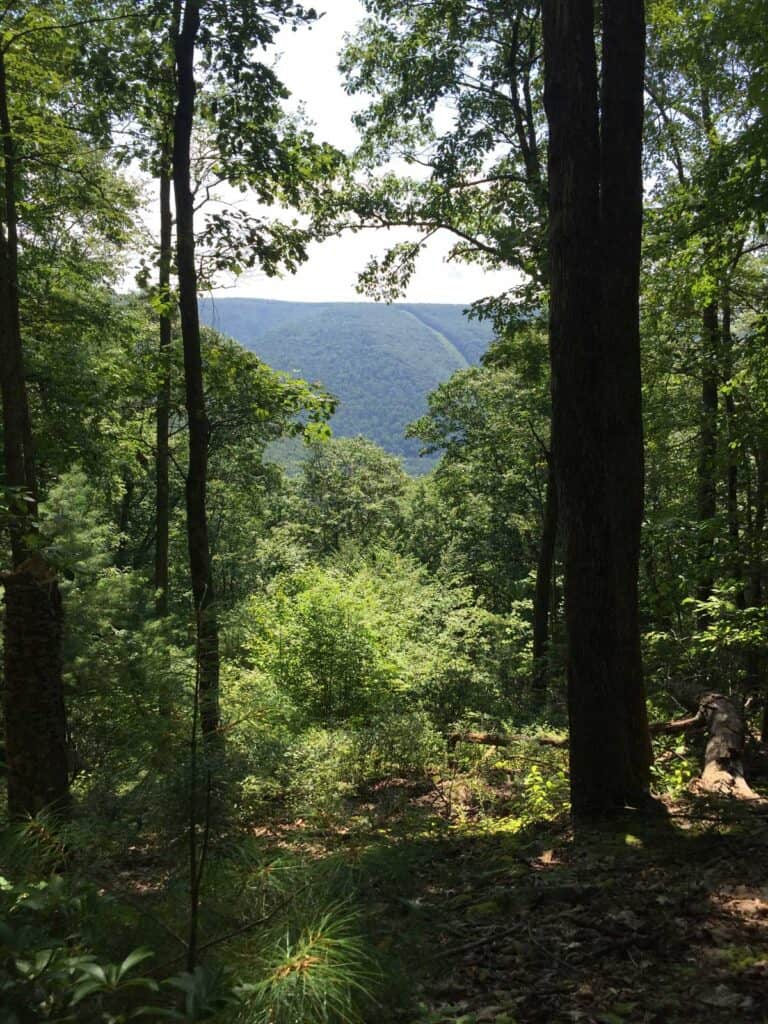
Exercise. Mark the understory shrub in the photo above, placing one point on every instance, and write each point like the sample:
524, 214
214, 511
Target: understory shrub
372, 634
325, 767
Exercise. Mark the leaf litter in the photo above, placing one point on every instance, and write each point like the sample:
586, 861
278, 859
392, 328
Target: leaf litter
660, 921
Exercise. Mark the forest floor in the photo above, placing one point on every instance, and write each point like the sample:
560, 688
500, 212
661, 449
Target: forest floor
651, 921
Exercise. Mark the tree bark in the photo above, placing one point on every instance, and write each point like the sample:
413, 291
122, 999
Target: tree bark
755, 590
123, 520
35, 716
499, 739
597, 428
521, 61
35, 719
706, 493
20, 475
724, 754
732, 469
162, 488
722, 718
199, 429
621, 217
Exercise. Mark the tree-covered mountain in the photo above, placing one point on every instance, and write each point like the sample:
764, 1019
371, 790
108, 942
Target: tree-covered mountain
380, 361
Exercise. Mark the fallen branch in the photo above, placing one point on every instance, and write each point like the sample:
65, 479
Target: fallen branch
496, 739
697, 721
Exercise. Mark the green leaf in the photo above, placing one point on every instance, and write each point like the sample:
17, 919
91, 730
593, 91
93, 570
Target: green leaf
95, 971
133, 958
84, 989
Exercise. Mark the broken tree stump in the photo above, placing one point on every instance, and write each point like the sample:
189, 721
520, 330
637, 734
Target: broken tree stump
723, 771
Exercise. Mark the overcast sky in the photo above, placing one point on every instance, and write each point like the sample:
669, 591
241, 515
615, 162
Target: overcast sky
308, 68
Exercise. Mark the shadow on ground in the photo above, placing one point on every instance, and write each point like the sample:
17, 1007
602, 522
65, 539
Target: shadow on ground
660, 920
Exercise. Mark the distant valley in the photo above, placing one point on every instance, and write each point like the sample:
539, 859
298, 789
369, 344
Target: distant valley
380, 361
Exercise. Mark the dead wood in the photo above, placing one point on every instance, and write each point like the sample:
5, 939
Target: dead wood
723, 771
697, 721
496, 739
719, 716
722, 718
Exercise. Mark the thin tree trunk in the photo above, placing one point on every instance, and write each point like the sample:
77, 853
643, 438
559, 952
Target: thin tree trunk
542, 594
199, 429
17, 436
755, 590
35, 716
123, 521
706, 482
732, 470
162, 489
525, 130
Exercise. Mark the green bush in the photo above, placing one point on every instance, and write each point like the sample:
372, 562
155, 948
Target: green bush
323, 769
368, 634
326, 767
47, 971
315, 640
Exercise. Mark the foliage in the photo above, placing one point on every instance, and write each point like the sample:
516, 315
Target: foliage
476, 174
349, 492
480, 516
320, 974
43, 973
367, 618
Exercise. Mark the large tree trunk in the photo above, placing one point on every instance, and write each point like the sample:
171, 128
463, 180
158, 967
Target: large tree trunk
621, 216
17, 434
597, 428
577, 388
197, 473
35, 721
35, 718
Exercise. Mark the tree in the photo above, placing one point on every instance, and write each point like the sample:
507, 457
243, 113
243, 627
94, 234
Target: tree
490, 485
350, 490
35, 717
479, 175
43, 124
704, 275
595, 210
197, 471
245, 107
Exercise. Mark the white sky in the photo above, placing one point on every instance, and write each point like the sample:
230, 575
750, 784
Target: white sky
308, 67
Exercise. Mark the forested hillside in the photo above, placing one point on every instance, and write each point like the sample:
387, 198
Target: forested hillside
344, 744
379, 361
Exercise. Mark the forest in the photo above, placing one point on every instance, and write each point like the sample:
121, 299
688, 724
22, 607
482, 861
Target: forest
328, 742
380, 361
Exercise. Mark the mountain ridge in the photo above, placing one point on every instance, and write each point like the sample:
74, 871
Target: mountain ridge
380, 361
